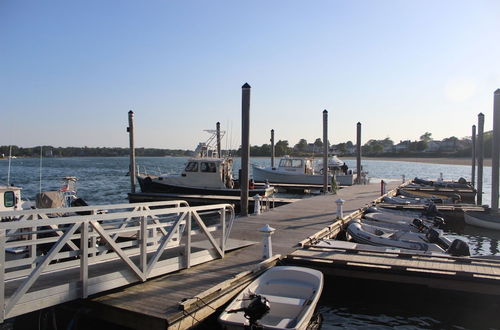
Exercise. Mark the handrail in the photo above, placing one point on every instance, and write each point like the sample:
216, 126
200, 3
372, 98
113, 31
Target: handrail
137, 237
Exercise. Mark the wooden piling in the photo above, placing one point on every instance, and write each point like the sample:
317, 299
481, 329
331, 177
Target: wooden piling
325, 151
495, 152
272, 148
480, 157
130, 130
358, 153
473, 173
245, 147
217, 126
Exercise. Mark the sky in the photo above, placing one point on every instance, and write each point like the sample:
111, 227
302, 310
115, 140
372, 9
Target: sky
71, 70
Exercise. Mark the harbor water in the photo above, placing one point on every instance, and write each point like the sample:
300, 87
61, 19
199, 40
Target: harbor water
104, 181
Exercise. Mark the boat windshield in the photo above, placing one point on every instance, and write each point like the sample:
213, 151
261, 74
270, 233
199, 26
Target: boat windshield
208, 167
191, 167
297, 163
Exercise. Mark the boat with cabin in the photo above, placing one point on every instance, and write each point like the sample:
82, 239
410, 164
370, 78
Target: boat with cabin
201, 176
290, 170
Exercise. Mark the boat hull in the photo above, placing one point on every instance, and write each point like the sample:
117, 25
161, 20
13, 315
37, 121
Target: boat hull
481, 219
151, 185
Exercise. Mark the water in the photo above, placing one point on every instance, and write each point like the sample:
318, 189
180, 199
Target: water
104, 181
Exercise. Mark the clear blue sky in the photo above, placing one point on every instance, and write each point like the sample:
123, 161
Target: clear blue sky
71, 70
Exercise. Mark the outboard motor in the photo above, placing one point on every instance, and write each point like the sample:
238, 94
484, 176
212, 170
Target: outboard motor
438, 222
372, 209
431, 210
462, 181
459, 248
256, 309
433, 235
419, 224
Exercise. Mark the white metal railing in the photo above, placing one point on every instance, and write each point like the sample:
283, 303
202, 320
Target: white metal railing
47, 260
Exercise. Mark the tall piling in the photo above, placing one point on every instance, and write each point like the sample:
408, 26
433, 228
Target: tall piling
325, 151
495, 152
473, 172
217, 127
130, 130
245, 147
358, 153
480, 157
272, 148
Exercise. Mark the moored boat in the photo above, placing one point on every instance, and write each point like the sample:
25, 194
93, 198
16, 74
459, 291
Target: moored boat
284, 297
290, 170
201, 176
482, 219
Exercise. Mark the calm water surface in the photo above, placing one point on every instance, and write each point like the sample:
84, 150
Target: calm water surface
104, 181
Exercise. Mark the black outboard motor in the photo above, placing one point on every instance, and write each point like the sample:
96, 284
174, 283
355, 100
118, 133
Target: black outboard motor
433, 235
431, 210
459, 248
258, 307
419, 224
438, 222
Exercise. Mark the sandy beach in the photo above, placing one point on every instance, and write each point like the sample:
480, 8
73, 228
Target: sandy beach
441, 160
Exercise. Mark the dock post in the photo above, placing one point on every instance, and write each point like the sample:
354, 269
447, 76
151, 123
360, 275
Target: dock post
267, 246
272, 148
358, 153
404, 178
256, 205
245, 147
340, 208
325, 151
473, 172
130, 130
495, 151
480, 157
217, 126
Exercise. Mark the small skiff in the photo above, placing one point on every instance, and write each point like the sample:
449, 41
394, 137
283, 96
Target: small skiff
284, 297
482, 219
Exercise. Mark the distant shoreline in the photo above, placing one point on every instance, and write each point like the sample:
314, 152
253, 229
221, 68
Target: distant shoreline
437, 160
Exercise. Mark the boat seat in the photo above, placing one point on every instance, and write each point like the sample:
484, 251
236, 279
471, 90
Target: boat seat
284, 300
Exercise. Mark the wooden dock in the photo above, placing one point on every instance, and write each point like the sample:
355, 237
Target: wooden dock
156, 304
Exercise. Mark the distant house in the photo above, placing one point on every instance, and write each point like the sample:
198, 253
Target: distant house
433, 146
402, 146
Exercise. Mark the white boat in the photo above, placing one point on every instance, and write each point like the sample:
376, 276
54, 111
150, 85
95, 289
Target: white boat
284, 297
482, 219
291, 170
201, 176
373, 235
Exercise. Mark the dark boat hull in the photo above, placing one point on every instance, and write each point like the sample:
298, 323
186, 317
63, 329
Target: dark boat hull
150, 186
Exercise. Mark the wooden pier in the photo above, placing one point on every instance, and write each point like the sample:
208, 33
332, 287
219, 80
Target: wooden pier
158, 303
182, 299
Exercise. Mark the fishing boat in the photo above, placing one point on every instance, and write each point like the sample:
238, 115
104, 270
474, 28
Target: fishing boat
201, 176
482, 219
284, 297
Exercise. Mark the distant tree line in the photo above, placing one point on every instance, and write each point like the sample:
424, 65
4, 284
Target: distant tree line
49, 151
424, 147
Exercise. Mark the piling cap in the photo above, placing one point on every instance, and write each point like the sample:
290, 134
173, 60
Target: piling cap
130, 112
340, 201
497, 92
325, 111
266, 229
246, 86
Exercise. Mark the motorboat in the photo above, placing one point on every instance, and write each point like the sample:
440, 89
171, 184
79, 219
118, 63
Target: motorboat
201, 176
451, 189
385, 217
290, 170
482, 219
374, 235
284, 297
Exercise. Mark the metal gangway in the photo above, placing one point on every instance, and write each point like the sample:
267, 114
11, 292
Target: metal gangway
51, 256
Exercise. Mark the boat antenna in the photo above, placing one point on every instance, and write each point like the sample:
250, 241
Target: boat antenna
40, 185
8, 170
